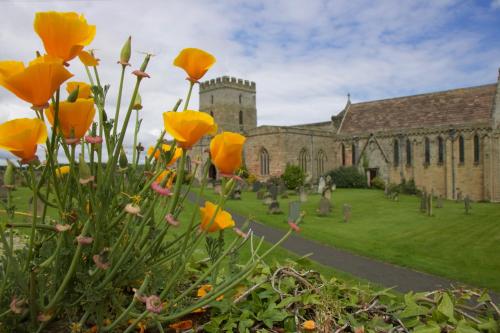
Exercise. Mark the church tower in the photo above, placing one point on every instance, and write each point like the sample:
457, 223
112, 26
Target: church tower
231, 102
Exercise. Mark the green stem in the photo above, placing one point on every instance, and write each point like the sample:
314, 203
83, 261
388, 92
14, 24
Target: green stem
34, 218
118, 102
186, 103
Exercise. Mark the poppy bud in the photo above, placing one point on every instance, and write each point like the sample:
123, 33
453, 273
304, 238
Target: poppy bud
73, 96
123, 159
8, 177
85, 174
137, 102
126, 51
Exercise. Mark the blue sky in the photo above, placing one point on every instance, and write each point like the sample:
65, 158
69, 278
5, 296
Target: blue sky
305, 56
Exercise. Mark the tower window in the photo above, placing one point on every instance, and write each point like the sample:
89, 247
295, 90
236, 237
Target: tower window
461, 149
477, 149
239, 97
427, 151
440, 150
241, 118
396, 153
264, 162
409, 157
303, 159
353, 154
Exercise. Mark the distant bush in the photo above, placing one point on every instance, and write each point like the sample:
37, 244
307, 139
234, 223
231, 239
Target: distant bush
348, 177
408, 187
293, 177
378, 183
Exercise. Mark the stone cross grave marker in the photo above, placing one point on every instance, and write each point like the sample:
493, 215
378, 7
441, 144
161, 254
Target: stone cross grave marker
346, 209
293, 210
328, 180
467, 204
325, 207
327, 193
302, 194
321, 185
274, 208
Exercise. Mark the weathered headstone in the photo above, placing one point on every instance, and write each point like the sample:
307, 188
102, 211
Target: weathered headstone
274, 208
256, 186
260, 194
423, 202
346, 210
439, 202
293, 210
273, 190
302, 194
325, 207
467, 204
267, 199
281, 187
327, 193
321, 185
236, 194
329, 180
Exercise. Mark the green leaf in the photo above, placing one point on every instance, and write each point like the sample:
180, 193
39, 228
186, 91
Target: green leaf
244, 325
464, 327
491, 326
446, 307
287, 301
429, 328
484, 297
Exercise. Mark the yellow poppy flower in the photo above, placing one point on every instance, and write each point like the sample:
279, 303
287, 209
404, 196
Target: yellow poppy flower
63, 34
166, 173
223, 219
189, 126
61, 171
83, 88
203, 290
74, 118
309, 325
166, 148
21, 136
88, 59
195, 62
36, 83
226, 151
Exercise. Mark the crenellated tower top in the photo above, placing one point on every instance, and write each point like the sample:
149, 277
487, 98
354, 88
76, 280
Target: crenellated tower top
228, 82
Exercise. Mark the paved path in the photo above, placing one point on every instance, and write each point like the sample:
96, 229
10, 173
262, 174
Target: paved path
384, 274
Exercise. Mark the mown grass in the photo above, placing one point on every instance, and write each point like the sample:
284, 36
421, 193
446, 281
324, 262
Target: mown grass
450, 244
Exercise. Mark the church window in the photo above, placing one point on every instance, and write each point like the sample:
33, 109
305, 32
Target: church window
477, 149
321, 162
240, 98
240, 117
343, 154
427, 151
264, 162
353, 154
461, 149
396, 152
440, 150
188, 164
409, 156
303, 159
212, 99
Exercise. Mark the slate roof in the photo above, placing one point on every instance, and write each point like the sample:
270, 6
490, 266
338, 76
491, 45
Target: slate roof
465, 106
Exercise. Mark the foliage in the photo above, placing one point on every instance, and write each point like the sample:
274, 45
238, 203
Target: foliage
408, 187
348, 177
378, 183
293, 177
243, 172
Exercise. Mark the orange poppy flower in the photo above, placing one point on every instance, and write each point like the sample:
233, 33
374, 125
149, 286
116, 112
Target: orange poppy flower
195, 62
21, 136
63, 34
309, 325
84, 89
205, 289
181, 325
189, 126
88, 59
222, 220
226, 151
166, 148
74, 118
36, 83
166, 173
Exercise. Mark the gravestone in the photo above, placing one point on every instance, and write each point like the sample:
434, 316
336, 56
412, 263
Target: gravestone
273, 190
236, 194
321, 185
325, 207
430, 197
346, 210
327, 193
459, 195
281, 187
329, 180
256, 186
274, 208
439, 202
267, 199
302, 194
293, 210
423, 202
467, 204
395, 196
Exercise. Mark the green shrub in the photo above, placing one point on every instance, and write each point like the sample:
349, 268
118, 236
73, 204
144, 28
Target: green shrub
348, 177
293, 177
378, 183
408, 187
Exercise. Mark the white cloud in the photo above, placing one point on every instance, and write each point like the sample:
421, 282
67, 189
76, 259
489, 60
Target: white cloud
305, 56
495, 4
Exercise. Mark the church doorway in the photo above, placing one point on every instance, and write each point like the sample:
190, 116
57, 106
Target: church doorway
372, 173
212, 172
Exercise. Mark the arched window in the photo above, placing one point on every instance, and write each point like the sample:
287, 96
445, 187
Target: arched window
321, 162
461, 149
188, 164
303, 159
396, 153
264, 162
212, 99
353, 154
240, 116
409, 157
440, 150
477, 149
240, 98
343, 154
427, 151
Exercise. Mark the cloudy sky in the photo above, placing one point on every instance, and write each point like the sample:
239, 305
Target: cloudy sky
305, 56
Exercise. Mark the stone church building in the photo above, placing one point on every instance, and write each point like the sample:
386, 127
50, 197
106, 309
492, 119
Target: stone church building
446, 141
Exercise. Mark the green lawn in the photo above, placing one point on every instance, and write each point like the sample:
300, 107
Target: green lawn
451, 244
